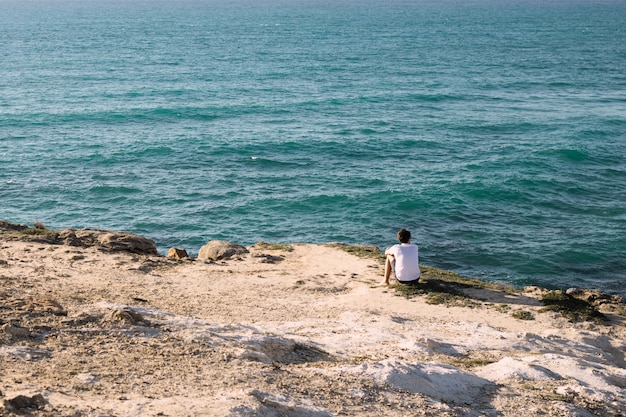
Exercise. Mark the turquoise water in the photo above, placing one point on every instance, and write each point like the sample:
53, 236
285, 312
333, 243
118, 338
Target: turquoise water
494, 131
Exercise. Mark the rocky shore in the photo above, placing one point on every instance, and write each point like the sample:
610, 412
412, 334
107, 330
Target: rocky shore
96, 323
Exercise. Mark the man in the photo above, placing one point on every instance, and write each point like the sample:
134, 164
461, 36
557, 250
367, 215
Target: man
403, 260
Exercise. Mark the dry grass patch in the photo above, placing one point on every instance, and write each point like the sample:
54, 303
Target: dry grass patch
469, 363
362, 251
274, 246
522, 315
37, 233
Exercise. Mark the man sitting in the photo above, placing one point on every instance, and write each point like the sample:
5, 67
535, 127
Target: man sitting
403, 260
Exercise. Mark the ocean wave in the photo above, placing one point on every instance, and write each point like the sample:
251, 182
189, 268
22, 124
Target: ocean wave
104, 190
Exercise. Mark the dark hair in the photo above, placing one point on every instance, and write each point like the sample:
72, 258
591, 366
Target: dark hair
404, 236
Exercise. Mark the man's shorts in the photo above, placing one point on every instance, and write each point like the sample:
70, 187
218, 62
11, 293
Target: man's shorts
414, 282
393, 268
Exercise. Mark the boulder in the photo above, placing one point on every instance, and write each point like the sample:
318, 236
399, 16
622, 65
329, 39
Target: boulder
113, 241
120, 241
177, 253
219, 249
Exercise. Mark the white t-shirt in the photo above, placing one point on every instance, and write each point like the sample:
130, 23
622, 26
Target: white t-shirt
406, 265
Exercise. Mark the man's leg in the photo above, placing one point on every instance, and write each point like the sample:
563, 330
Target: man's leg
388, 269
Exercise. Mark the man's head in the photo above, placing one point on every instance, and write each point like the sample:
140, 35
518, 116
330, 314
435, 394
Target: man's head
404, 236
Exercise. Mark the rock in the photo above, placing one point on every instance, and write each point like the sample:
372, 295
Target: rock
16, 332
218, 249
23, 402
113, 241
129, 316
269, 259
533, 289
69, 237
82, 319
177, 253
128, 242
149, 265
42, 306
440, 382
598, 298
36, 306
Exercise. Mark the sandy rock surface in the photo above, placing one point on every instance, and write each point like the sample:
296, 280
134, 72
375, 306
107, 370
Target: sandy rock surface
305, 332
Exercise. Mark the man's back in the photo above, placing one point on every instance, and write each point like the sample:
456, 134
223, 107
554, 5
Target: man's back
406, 261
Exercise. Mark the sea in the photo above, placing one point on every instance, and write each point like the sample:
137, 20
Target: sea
494, 130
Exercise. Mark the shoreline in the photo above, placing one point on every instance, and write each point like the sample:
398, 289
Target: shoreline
299, 330
39, 233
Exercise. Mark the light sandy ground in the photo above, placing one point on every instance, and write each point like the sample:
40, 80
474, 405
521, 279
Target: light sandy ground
277, 333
